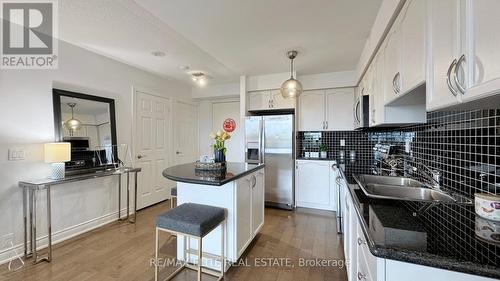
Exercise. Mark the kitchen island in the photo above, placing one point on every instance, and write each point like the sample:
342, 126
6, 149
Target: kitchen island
239, 189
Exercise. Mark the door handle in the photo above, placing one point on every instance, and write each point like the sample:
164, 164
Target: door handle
140, 156
448, 77
178, 152
457, 82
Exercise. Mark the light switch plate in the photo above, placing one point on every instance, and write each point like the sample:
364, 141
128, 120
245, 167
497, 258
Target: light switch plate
342, 142
16, 154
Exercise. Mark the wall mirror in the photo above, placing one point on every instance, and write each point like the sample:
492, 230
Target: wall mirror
89, 124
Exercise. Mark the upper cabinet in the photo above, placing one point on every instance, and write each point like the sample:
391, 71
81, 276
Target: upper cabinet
463, 57
267, 100
482, 58
326, 110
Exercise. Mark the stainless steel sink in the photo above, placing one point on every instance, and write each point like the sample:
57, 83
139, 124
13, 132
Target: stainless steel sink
398, 188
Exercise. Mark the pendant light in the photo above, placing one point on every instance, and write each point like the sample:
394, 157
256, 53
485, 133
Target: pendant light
291, 88
72, 124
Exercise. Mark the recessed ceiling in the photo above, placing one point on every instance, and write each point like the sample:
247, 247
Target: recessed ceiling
223, 38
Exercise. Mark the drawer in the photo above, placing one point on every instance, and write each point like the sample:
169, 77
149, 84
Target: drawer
364, 254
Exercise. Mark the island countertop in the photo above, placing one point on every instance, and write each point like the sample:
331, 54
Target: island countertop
188, 174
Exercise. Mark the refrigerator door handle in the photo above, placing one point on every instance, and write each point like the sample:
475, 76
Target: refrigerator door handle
262, 140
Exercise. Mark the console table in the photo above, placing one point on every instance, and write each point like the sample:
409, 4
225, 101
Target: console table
31, 188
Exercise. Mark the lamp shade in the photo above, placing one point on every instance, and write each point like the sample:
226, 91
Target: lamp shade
57, 152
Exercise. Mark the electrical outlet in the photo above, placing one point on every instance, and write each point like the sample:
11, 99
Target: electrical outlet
7, 240
16, 154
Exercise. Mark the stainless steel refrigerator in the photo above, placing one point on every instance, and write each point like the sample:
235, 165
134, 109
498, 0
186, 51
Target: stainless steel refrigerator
269, 139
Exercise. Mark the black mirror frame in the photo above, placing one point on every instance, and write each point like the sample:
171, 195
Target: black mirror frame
56, 102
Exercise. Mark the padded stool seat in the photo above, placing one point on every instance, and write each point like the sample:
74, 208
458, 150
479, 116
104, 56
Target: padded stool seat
192, 219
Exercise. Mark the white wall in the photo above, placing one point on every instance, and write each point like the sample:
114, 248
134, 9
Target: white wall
26, 121
216, 91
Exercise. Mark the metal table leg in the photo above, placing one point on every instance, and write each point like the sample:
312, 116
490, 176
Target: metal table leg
33, 224
25, 220
49, 225
135, 197
30, 203
128, 195
119, 196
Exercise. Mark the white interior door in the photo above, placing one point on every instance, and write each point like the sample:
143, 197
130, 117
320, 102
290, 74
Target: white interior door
185, 132
152, 147
235, 145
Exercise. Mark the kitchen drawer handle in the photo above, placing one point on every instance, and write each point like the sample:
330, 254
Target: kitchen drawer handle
457, 67
361, 242
361, 276
448, 77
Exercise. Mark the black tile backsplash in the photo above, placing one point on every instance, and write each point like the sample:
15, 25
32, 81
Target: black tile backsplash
463, 145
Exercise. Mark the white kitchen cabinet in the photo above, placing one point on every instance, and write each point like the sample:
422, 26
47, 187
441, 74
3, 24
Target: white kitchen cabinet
390, 56
462, 52
243, 213
339, 109
326, 110
482, 58
312, 111
445, 45
412, 36
268, 100
279, 102
258, 202
313, 185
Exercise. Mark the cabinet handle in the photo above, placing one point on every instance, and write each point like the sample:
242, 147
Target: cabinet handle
361, 241
394, 84
326, 124
361, 276
357, 116
323, 125
457, 67
448, 77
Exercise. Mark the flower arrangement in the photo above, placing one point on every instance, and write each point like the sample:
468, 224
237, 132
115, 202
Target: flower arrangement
219, 146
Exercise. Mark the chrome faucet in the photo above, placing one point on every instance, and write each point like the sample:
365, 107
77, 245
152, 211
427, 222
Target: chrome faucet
432, 175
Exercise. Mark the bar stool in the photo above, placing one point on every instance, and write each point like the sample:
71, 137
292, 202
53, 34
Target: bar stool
192, 221
173, 195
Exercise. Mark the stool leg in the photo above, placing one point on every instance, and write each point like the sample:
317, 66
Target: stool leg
156, 255
200, 258
223, 258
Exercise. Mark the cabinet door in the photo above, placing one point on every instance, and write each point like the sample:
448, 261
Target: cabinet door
279, 102
378, 89
259, 100
339, 110
244, 232
391, 53
312, 111
412, 45
313, 185
258, 201
444, 48
483, 56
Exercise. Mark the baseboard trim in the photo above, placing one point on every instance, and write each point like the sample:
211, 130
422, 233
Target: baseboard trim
9, 254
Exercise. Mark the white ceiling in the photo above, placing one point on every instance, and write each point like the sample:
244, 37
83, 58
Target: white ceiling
224, 38
87, 107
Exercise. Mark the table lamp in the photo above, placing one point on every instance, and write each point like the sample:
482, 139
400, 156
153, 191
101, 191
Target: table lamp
56, 154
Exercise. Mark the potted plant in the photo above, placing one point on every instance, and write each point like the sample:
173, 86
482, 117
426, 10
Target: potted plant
323, 151
219, 146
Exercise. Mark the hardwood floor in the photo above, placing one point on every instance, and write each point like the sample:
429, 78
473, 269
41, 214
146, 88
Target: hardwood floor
122, 251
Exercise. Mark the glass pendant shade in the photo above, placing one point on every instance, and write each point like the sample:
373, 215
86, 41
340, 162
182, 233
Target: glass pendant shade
291, 88
72, 124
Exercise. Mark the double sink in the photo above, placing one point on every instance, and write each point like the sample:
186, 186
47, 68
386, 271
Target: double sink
400, 188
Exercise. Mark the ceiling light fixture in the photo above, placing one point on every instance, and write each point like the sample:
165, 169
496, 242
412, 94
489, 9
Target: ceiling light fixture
200, 78
158, 53
72, 124
291, 88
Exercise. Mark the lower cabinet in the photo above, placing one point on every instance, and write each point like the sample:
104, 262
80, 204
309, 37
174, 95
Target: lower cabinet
363, 266
315, 189
249, 209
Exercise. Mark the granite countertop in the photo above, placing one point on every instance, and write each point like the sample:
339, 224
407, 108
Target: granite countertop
448, 242
316, 158
187, 173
